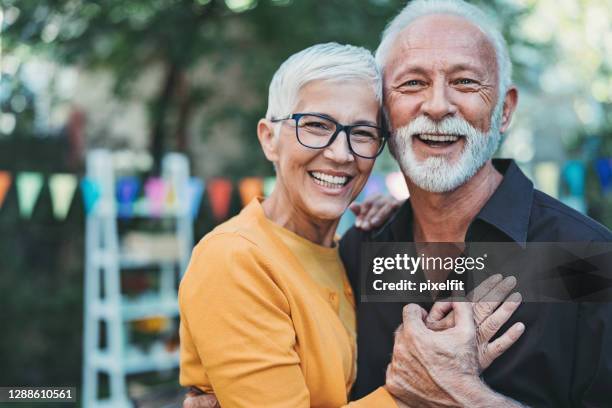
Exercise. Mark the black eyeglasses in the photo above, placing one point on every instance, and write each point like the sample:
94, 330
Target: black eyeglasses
317, 131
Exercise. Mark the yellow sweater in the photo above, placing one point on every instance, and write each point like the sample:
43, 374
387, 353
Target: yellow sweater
257, 330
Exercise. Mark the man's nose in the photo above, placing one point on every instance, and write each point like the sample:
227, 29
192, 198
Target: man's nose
339, 150
437, 106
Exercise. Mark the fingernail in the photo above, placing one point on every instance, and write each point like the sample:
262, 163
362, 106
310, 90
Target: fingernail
358, 223
516, 297
510, 281
520, 327
498, 277
374, 220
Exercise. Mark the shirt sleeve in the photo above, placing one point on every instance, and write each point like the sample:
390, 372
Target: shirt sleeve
240, 323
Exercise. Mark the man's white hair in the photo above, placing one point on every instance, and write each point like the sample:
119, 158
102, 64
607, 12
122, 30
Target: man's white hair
420, 8
329, 62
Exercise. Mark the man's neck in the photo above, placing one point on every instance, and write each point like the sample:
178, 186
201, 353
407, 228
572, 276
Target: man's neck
445, 217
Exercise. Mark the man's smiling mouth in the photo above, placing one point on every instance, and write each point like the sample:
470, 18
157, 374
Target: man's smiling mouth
329, 180
437, 140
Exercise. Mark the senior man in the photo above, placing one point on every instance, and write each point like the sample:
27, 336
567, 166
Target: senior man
448, 99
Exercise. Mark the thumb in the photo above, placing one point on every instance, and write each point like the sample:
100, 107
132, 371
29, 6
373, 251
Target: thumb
355, 208
413, 316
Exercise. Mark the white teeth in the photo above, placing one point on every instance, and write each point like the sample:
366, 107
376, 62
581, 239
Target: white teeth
439, 138
328, 179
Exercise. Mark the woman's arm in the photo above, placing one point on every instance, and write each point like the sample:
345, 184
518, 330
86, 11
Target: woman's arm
239, 322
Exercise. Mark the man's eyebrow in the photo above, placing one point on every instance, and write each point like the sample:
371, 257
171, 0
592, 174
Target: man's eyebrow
466, 67
408, 70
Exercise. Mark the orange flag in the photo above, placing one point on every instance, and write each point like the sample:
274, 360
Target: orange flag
5, 184
250, 188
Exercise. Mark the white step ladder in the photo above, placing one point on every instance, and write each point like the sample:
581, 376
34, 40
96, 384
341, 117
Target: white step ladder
104, 265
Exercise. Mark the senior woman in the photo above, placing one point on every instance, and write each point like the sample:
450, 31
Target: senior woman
267, 313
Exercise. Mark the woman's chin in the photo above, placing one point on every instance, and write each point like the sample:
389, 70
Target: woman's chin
327, 211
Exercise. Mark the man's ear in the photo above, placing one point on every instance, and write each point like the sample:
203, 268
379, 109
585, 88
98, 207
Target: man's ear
510, 101
267, 139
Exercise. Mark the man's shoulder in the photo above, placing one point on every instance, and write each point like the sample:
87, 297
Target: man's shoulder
553, 218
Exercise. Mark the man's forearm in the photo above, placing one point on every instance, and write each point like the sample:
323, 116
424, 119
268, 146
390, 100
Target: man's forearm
475, 393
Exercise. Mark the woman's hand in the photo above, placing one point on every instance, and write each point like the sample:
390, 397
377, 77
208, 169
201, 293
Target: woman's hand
195, 400
374, 211
489, 317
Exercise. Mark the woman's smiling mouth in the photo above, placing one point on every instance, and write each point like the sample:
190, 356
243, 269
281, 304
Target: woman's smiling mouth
330, 180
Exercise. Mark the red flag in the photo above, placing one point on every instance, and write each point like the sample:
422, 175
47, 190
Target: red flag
219, 194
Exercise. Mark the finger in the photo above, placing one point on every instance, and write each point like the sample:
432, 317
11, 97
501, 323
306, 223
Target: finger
355, 207
503, 343
487, 305
413, 317
369, 216
201, 401
383, 214
493, 323
439, 310
464, 316
485, 287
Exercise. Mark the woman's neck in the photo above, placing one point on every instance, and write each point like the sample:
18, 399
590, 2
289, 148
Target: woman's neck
279, 209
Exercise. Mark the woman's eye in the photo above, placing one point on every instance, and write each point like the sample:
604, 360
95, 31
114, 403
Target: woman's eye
316, 125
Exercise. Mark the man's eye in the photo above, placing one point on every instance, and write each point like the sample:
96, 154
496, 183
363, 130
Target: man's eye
465, 81
413, 82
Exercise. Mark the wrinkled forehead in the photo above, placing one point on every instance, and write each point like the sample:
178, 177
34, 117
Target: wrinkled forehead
441, 38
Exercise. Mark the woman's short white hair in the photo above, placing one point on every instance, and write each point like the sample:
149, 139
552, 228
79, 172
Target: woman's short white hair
328, 62
420, 8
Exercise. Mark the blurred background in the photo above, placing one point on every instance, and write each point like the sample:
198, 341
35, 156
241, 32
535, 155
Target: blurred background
129, 126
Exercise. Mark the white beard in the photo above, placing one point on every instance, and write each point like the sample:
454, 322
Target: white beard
438, 174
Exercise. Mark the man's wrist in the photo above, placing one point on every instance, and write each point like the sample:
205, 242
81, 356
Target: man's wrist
473, 392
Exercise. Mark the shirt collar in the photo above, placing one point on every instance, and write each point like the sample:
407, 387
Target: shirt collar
508, 209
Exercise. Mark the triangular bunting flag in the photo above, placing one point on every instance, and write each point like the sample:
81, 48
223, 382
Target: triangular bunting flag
5, 184
127, 191
91, 194
268, 187
62, 188
196, 191
155, 191
250, 188
219, 194
29, 185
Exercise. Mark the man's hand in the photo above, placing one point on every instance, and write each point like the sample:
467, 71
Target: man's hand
489, 317
439, 368
374, 211
195, 400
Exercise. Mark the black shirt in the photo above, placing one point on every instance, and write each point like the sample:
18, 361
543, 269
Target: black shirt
564, 358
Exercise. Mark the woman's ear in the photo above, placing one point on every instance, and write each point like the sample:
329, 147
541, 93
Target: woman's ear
267, 139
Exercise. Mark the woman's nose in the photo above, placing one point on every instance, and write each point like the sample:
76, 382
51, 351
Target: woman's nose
339, 150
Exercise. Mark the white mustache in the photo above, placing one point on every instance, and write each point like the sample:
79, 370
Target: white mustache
449, 126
